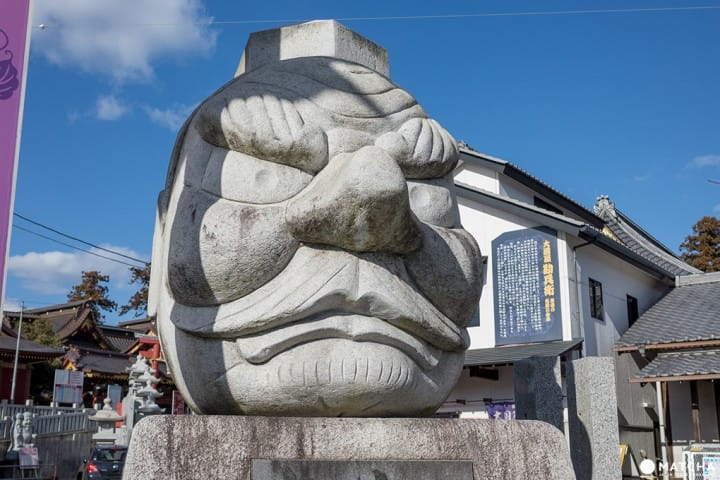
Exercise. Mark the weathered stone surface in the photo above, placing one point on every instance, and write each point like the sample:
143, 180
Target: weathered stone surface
312, 39
358, 470
359, 202
538, 390
308, 257
592, 414
217, 447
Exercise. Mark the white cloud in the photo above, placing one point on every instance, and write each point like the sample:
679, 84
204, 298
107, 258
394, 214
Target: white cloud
171, 118
120, 38
108, 107
716, 208
54, 272
706, 161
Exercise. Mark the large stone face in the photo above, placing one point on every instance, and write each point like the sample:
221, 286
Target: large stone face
308, 257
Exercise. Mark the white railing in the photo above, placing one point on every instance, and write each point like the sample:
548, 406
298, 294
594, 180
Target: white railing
5, 428
47, 420
62, 423
10, 410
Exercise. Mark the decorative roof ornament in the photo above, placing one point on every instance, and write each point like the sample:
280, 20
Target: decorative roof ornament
604, 207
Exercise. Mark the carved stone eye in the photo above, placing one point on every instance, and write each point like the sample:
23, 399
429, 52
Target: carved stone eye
242, 178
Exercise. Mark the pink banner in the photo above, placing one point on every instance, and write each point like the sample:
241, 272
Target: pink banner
14, 16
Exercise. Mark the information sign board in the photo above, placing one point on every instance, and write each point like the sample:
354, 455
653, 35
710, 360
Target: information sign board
526, 288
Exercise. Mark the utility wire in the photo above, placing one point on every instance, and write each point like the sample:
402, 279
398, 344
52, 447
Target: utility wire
481, 15
71, 246
80, 240
44, 26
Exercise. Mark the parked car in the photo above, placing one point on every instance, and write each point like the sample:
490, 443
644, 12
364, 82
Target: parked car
105, 462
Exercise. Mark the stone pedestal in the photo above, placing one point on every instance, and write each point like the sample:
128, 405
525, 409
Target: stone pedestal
538, 390
592, 412
190, 447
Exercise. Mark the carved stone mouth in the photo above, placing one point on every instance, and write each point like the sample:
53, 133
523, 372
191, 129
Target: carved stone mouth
260, 348
322, 282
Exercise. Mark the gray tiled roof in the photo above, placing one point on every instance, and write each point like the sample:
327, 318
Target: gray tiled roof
680, 364
511, 354
110, 363
639, 241
687, 313
121, 339
28, 347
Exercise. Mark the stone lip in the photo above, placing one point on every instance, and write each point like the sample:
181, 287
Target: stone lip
319, 38
219, 447
334, 286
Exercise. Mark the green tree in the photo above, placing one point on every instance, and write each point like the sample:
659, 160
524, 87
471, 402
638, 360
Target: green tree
702, 248
138, 302
93, 290
40, 331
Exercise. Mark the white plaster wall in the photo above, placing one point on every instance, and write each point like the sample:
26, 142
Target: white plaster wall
472, 390
477, 176
618, 279
485, 224
511, 188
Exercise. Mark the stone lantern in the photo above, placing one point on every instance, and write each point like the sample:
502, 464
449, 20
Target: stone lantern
148, 393
106, 418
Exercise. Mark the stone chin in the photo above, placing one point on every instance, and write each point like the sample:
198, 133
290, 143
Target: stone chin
323, 377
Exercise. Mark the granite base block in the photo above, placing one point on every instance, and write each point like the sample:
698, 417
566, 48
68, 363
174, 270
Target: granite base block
192, 447
358, 470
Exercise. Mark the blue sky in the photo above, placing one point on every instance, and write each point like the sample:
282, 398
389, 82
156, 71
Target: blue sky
625, 104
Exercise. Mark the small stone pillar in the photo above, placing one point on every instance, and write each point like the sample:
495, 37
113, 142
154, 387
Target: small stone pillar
325, 38
593, 419
538, 390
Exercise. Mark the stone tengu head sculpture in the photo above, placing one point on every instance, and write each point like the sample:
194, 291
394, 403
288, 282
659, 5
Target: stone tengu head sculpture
308, 256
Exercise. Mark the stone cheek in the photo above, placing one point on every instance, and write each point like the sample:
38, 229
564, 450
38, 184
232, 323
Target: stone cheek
448, 270
433, 201
221, 251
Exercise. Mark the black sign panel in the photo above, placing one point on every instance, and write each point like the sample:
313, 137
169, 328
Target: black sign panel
526, 287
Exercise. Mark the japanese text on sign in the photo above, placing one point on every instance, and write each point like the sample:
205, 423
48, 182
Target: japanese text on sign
526, 287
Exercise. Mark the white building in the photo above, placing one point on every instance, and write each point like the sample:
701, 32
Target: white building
559, 280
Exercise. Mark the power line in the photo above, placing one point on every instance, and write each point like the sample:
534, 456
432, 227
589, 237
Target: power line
71, 246
79, 240
482, 15
537, 13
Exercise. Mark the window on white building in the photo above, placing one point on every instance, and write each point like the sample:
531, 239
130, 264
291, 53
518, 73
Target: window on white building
632, 309
596, 299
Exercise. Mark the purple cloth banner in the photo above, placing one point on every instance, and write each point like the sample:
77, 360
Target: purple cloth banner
14, 16
500, 411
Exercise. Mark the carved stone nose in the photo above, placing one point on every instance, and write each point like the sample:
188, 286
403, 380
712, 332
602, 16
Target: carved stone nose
358, 202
